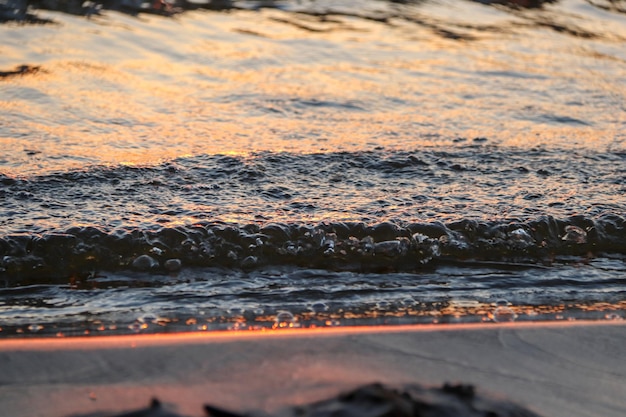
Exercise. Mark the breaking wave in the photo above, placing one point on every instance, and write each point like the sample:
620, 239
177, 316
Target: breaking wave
363, 211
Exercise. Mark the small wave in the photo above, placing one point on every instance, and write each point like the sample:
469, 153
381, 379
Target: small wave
348, 246
473, 182
357, 211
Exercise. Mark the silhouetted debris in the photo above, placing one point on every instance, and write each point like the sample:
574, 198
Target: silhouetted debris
213, 411
155, 409
377, 400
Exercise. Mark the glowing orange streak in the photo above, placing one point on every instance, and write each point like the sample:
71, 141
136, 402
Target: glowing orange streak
134, 341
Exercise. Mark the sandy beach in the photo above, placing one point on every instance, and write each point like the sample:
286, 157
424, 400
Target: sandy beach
570, 369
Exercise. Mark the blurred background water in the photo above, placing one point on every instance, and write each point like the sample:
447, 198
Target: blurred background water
234, 165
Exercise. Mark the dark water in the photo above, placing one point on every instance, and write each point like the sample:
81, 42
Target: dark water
312, 164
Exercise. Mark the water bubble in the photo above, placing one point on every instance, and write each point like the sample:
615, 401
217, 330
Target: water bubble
147, 319
503, 313
457, 242
237, 326
290, 249
173, 265
420, 238
136, 327
157, 251
318, 307
329, 243
145, 263
249, 262
382, 305
367, 245
284, 319
426, 247
392, 248
408, 302
575, 234
35, 328
520, 238
236, 311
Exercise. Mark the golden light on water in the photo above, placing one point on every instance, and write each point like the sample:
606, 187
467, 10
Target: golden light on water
419, 314
255, 81
426, 314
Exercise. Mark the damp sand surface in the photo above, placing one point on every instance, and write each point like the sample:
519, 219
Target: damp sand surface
552, 369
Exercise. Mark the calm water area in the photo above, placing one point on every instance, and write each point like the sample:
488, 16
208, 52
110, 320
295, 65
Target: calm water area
312, 163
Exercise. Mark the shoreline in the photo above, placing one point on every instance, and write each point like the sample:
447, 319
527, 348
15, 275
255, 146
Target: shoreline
573, 369
225, 336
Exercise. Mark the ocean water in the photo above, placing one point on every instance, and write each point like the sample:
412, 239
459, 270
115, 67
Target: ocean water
311, 164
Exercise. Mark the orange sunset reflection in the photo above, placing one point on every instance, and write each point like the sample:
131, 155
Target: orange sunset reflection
268, 80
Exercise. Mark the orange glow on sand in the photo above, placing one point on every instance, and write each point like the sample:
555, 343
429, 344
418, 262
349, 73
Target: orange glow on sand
133, 341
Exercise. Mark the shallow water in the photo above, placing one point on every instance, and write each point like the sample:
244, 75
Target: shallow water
346, 162
270, 298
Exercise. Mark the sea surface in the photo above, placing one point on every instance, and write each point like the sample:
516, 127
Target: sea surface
259, 165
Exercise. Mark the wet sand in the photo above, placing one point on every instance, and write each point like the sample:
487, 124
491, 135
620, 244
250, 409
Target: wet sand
555, 369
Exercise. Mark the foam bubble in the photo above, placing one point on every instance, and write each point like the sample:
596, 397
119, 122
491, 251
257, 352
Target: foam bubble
284, 319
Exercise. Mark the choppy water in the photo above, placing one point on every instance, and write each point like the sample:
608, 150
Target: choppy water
313, 164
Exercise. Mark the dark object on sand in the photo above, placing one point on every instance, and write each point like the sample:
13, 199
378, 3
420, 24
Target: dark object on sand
377, 400
154, 410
